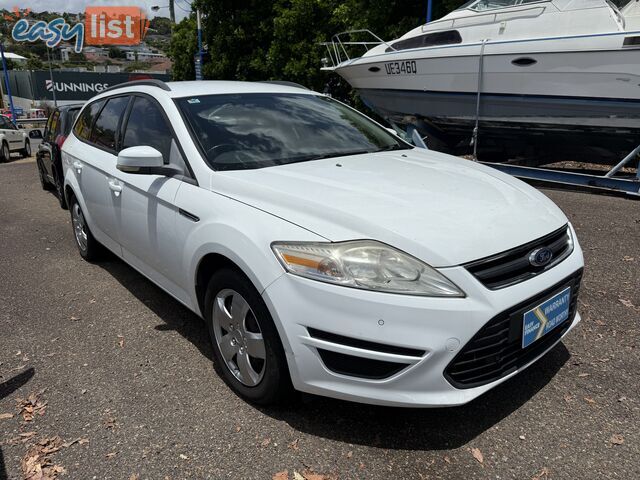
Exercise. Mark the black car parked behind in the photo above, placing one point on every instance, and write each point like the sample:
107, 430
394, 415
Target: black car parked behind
48, 156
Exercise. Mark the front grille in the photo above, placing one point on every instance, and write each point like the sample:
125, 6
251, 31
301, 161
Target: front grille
496, 350
513, 266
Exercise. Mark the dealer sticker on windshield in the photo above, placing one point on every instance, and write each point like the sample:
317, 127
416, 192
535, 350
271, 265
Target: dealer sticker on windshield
540, 320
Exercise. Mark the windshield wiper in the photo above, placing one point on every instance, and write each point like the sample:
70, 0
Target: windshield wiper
390, 148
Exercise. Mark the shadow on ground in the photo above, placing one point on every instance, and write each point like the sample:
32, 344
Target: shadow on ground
6, 389
382, 427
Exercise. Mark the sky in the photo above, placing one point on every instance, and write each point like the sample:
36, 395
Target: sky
76, 6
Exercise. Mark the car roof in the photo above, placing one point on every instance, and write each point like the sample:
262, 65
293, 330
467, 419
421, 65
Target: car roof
73, 106
208, 87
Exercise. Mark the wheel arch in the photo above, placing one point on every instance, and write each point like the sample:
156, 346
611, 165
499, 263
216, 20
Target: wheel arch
212, 262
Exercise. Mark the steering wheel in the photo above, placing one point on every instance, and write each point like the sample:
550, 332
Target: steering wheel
217, 150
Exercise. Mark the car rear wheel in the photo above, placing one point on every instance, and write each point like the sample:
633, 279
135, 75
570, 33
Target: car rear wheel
247, 348
26, 151
87, 245
6, 153
58, 184
44, 183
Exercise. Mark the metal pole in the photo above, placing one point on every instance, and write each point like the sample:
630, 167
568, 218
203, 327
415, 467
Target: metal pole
53, 85
474, 136
199, 21
624, 161
172, 12
6, 80
429, 4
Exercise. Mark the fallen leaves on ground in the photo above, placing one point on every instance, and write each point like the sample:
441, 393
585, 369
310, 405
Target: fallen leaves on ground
294, 445
617, 439
31, 406
305, 475
4, 416
265, 442
589, 400
111, 454
109, 423
283, 475
477, 454
79, 441
628, 303
36, 463
121, 341
544, 473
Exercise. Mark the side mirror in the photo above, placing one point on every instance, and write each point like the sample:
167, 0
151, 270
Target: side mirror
141, 160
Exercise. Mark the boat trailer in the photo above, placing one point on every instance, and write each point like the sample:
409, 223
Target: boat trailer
628, 184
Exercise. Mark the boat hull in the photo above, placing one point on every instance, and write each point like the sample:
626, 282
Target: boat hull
528, 91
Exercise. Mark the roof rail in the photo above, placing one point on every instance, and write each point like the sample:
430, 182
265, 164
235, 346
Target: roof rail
285, 83
151, 82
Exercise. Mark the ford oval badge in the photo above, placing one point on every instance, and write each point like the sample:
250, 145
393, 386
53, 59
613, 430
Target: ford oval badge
540, 257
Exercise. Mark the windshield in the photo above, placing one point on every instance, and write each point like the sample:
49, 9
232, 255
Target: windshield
482, 5
243, 131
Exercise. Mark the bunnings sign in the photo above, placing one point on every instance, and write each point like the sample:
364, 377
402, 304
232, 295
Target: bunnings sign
70, 86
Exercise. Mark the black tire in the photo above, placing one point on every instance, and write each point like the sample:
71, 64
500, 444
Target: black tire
275, 385
90, 250
44, 183
59, 188
5, 152
26, 151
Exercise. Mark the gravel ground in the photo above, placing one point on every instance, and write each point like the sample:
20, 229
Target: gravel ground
119, 367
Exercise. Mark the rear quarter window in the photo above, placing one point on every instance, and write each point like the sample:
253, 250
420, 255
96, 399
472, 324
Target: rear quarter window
83, 127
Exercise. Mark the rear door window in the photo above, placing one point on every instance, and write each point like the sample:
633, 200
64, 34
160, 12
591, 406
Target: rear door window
82, 129
105, 130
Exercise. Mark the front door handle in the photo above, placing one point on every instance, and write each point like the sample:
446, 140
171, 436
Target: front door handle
78, 166
115, 187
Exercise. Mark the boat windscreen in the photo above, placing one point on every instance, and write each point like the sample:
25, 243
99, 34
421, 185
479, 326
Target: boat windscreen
484, 5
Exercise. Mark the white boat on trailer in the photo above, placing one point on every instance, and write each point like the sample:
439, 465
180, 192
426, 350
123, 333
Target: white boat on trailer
540, 78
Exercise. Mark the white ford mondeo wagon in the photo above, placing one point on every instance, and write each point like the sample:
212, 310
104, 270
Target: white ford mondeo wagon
324, 253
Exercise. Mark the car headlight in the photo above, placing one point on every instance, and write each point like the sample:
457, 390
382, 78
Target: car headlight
364, 264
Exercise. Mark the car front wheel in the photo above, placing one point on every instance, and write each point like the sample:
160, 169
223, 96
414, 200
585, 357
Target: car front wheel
246, 345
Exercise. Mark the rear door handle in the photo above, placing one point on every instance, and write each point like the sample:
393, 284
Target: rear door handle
115, 187
78, 166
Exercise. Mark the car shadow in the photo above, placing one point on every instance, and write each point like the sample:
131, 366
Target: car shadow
419, 429
7, 388
382, 427
176, 317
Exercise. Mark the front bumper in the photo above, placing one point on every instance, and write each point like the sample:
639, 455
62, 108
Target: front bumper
426, 334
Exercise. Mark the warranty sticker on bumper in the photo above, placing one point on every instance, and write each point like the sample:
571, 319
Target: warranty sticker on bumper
540, 320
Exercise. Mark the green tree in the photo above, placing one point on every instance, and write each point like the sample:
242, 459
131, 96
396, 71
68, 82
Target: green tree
182, 49
258, 40
160, 25
115, 52
34, 63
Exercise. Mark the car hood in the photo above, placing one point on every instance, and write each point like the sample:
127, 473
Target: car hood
441, 209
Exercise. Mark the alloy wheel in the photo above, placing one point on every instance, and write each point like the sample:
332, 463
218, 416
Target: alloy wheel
79, 227
239, 337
